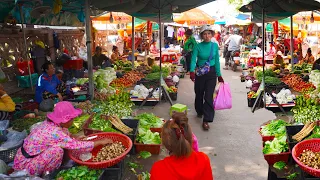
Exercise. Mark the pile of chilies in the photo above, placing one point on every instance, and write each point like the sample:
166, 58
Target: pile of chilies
128, 80
296, 83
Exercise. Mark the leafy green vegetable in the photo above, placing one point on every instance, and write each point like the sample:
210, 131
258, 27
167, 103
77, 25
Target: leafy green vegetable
146, 176
77, 123
145, 154
267, 72
148, 120
101, 123
277, 146
292, 176
148, 137
272, 80
134, 165
25, 123
79, 173
274, 127
279, 165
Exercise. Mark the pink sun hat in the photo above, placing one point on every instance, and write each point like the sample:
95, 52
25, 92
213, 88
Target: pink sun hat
63, 112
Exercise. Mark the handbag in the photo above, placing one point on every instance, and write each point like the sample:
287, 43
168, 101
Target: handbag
204, 69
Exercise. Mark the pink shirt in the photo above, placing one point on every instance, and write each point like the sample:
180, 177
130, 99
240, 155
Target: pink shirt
49, 134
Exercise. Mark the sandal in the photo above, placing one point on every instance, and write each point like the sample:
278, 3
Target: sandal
205, 126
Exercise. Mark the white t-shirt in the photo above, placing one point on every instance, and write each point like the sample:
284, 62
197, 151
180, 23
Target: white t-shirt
213, 39
170, 31
234, 42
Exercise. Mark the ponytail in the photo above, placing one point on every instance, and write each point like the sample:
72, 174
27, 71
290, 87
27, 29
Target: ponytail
177, 135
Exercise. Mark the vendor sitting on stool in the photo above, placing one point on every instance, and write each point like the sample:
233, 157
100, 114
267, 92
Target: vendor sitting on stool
115, 56
7, 106
49, 86
43, 149
99, 59
278, 61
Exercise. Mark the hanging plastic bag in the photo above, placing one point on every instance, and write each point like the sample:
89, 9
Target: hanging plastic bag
223, 99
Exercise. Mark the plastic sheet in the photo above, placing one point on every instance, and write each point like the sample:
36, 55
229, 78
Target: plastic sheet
4, 125
14, 139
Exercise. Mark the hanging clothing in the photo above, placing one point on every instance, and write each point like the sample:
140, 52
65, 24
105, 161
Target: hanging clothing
196, 166
46, 83
170, 30
46, 143
181, 32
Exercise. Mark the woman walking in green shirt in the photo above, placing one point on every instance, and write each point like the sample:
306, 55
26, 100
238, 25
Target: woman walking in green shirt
204, 85
189, 44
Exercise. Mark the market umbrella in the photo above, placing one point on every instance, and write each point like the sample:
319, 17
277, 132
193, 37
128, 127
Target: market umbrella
194, 17
280, 6
117, 18
305, 17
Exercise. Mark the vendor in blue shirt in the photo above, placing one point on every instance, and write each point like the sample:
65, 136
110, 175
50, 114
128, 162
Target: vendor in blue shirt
48, 84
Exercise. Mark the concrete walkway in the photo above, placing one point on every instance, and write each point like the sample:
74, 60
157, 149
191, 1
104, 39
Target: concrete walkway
233, 143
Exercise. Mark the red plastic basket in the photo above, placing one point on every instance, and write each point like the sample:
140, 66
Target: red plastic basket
273, 158
125, 140
265, 138
311, 144
152, 148
73, 64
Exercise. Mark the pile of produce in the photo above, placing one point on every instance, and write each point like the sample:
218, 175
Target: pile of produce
252, 94
26, 123
82, 81
86, 106
118, 104
116, 122
149, 120
155, 73
148, 137
101, 123
79, 172
110, 151
305, 131
123, 65
310, 158
315, 78
141, 91
283, 97
129, 79
102, 79
315, 133
279, 165
172, 89
296, 82
276, 146
302, 68
272, 80
78, 123
275, 127
259, 74
306, 110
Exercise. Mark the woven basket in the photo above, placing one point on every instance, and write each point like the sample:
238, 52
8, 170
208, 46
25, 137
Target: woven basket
9, 154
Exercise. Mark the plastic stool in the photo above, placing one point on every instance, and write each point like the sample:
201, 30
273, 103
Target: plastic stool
178, 108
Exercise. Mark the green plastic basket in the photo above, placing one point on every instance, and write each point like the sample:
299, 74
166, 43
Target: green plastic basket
24, 81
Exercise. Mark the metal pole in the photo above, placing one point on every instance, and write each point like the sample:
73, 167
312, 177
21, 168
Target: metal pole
263, 51
133, 42
25, 44
160, 36
89, 50
291, 40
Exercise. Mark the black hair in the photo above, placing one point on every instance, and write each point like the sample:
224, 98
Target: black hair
45, 66
309, 50
98, 48
114, 48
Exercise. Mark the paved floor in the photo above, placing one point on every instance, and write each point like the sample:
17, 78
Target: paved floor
233, 143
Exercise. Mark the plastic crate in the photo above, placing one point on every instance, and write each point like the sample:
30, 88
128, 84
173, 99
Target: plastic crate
73, 64
273, 158
291, 131
24, 81
53, 174
152, 148
115, 172
266, 138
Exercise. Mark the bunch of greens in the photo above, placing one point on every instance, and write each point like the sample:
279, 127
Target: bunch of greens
148, 137
155, 68
315, 133
279, 165
275, 127
79, 173
100, 123
272, 80
82, 81
77, 123
267, 72
276, 146
149, 120
306, 114
26, 123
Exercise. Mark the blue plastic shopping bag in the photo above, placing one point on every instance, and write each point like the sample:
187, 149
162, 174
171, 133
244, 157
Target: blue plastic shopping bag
223, 99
